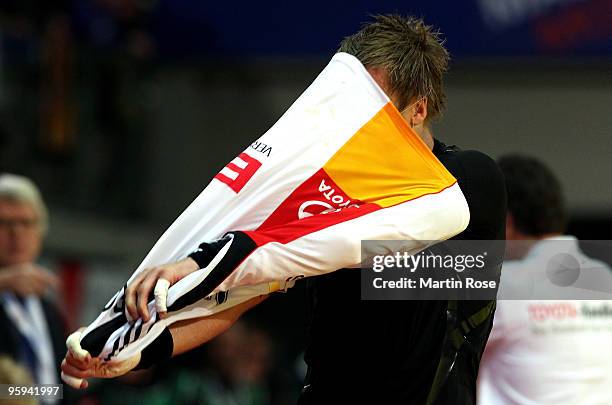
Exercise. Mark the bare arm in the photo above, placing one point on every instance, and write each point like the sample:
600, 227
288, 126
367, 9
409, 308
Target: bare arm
191, 333
78, 365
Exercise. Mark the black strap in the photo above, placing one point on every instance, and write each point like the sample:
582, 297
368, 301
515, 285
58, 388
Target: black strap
456, 335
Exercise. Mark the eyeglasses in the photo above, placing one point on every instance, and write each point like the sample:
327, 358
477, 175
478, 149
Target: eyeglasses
413, 104
26, 223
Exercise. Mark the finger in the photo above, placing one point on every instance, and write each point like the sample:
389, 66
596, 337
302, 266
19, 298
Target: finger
144, 290
70, 359
51, 280
121, 367
34, 283
32, 271
73, 343
25, 289
161, 296
25, 268
73, 371
37, 286
46, 275
131, 295
74, 382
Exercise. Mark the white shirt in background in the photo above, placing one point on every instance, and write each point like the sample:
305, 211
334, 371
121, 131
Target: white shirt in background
556, 347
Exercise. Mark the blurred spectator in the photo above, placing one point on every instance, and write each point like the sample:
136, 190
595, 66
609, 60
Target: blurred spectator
548, 349
240, 363
33, 331
234, 369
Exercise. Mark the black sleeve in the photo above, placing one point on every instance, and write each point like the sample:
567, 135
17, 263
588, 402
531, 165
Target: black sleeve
483, 186
207, 251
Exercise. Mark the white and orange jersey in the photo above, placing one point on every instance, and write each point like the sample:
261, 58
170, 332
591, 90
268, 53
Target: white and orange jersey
339, 167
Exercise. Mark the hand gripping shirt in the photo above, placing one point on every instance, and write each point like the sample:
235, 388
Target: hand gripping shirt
339, 167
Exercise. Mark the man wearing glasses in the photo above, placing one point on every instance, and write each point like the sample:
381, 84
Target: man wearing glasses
32, 328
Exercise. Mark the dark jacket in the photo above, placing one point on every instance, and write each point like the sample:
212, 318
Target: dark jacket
10, 340
388, 352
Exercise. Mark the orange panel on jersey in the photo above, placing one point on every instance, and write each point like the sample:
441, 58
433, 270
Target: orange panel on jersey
386, 163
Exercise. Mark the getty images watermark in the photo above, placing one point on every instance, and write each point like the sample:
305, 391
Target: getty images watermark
481, 270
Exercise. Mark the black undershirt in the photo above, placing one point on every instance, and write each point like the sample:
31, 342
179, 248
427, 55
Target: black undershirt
387, 352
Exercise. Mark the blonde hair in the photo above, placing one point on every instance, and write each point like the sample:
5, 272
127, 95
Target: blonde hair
23, 190
412, 53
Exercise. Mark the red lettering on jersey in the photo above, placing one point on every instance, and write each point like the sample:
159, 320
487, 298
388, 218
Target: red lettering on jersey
315, 196
243, 174
555, 310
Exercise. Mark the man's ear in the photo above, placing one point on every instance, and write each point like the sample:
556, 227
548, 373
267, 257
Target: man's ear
420, 112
